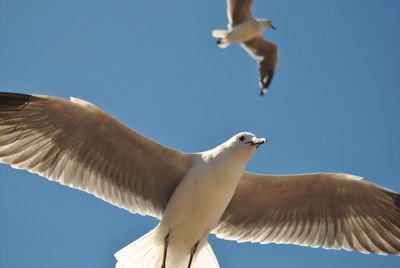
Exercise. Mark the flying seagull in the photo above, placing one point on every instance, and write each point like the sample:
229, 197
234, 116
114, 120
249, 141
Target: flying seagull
244, 29
79, 145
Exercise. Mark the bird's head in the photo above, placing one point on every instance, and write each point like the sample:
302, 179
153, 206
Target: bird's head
240, 148
247, 140
266, 24
243, 144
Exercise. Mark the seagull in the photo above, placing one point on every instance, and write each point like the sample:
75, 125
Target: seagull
79, 145
244, 29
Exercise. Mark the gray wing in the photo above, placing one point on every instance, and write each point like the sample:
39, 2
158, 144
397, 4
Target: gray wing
77, 144
239, 11
332, 211
266, 53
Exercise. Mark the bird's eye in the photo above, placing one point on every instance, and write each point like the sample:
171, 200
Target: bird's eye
241, 137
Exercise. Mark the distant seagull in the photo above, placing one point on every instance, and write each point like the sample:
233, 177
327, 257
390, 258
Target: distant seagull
77, 144
244, 29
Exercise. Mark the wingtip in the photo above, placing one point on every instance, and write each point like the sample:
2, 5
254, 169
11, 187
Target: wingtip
8, 100
263, 91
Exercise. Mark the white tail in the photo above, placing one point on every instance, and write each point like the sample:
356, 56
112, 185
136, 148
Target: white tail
141, 253
219, 33
146, 252
205, 258
222, 42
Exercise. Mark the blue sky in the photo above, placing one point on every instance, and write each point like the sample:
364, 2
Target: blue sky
333, 106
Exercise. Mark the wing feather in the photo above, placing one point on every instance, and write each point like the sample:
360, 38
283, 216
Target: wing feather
77, 144
238, 11
266, 53
326, 210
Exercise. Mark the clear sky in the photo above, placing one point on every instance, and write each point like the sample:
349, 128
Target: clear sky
333, 106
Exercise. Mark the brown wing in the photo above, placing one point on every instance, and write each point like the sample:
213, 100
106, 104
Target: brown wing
77, 144
332, 211
239, 11
266, 53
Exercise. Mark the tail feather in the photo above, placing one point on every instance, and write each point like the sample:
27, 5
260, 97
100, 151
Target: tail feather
206, 258
140, 253
145, 252
219, 33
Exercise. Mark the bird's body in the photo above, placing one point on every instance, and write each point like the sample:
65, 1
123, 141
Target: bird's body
195, 206
77, 144
245, 29
241, 32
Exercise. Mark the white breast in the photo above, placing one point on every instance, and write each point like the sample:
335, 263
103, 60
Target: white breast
200, 199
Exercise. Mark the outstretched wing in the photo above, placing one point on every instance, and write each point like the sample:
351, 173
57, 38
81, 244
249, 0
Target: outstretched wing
239, 11
332, 211
266, 53
77, 144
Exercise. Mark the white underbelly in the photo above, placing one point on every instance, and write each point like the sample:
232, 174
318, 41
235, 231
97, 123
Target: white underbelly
243, 32
196, 206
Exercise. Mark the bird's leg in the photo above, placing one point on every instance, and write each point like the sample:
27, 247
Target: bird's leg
165, 251
192, 253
